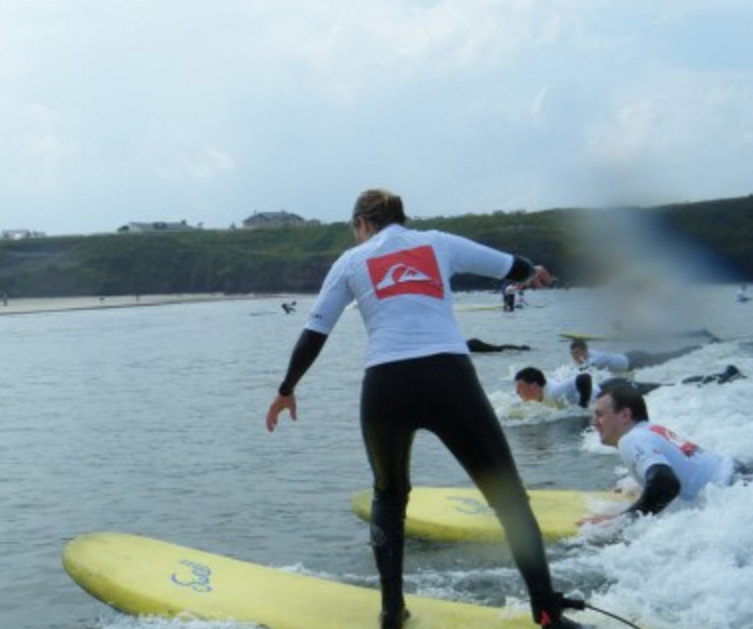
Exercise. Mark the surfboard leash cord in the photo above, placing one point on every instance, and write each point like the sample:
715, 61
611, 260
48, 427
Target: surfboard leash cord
580, 605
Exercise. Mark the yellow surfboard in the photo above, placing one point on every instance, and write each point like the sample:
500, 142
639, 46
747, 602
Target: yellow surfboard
582, 336
641, 335
453, 514
143, 576
478, 307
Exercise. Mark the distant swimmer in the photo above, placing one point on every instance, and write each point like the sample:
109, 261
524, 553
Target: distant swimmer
586, 357
730, 374
509, 294
289, 307
581, 390
479, 346
665, 465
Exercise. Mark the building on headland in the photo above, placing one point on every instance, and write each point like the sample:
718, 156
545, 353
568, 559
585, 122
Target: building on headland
262, 220
20, 234
156, 226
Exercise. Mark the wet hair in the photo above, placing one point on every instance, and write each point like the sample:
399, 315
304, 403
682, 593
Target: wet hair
380, 208
579, 344
531, 375
627, 397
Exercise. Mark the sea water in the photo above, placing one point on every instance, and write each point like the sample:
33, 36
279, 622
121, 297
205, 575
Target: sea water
151, 421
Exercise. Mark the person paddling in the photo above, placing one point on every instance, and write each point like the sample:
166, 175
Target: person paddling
532, 385
618, 362
666, 465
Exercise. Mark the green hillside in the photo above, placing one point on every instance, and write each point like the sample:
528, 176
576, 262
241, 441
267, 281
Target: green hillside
295, 259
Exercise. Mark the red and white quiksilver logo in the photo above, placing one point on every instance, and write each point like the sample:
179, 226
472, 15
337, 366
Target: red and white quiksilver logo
408, 272
688, 448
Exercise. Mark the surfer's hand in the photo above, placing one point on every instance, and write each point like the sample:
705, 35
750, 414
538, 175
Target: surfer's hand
598, 519
540, 278
280, 403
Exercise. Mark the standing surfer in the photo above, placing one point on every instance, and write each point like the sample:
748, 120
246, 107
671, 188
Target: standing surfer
419, 375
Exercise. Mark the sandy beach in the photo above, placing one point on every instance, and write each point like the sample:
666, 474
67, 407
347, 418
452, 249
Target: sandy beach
61, 304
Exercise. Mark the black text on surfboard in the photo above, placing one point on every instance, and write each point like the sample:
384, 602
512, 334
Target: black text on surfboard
198, 579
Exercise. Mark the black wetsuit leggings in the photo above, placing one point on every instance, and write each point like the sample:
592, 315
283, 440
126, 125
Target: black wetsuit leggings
442, 394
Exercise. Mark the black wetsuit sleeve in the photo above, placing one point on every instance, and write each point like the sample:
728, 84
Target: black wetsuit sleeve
662, 487
304, 354
584, 385
521, 270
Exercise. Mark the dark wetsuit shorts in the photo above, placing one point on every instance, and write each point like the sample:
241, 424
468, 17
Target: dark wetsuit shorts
442, 394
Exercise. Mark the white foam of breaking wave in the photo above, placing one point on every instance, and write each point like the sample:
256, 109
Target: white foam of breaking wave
691, 566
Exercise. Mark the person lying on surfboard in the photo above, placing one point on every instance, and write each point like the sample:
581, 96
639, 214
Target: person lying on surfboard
616, 362
479, 346
419, 375
665, 465
532, 385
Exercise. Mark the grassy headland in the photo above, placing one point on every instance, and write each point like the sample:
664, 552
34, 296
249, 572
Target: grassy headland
295, 259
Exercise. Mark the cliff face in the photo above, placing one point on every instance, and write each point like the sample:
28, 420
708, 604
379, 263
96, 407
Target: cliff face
578, 245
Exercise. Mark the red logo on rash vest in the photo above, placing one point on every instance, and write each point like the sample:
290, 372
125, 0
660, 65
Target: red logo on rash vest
407, 272
686, 447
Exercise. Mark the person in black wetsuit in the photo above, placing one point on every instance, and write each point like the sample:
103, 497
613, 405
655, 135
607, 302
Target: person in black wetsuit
419, 376
479, 346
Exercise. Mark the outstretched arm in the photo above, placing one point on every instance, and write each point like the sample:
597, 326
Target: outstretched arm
526, 273
304, 354
662, 487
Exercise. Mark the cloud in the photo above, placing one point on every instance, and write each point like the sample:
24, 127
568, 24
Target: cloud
673, 136
210, 163
217, 107
537, 106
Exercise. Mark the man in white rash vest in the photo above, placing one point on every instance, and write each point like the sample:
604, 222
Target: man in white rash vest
532, 385
616, 362
666, 466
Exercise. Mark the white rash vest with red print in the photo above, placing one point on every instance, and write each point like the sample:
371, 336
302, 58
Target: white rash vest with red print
400, 279
650, 444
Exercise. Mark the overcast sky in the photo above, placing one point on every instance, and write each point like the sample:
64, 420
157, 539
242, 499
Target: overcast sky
114, 111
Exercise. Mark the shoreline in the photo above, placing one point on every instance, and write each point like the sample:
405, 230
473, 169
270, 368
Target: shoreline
37, 305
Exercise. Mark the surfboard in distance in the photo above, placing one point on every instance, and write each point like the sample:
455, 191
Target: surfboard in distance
482, 307
637, 335
478, 307
453, 514
589, 337
143, 576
